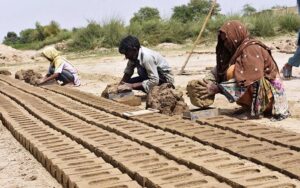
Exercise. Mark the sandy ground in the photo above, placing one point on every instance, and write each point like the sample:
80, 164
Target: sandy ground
96, 72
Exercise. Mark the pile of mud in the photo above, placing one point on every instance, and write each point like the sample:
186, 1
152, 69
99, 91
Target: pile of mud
11, 55
29, 76
5, 72
167, 100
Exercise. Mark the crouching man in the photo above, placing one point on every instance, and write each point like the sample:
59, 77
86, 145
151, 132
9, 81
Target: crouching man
151, 67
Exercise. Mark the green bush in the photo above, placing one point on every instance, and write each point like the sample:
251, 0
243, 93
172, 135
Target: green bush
113, 32
289, 22
87, 38
151, 32
263, 24
36, 45
135, 29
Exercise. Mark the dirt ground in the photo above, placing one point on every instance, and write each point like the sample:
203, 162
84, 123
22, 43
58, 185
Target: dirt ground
97, 71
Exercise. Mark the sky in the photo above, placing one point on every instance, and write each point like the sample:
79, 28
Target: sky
16, 15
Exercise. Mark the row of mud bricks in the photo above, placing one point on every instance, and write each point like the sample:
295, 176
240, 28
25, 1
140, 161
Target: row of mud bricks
173, 146
70, 163
144, 165
243, 172
264, 145
258, 131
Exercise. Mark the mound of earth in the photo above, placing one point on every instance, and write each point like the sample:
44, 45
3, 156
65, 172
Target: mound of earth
5, 72
30, 76
11, 55
167, 100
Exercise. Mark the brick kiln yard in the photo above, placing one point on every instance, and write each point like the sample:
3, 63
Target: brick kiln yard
83, 140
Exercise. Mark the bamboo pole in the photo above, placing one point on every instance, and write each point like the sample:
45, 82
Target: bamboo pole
199, 36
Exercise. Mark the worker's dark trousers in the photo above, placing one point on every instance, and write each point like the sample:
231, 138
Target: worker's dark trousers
144, 76
65, 76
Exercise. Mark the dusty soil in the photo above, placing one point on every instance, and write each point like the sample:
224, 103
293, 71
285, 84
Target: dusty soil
18, 168
98, 71
11, 55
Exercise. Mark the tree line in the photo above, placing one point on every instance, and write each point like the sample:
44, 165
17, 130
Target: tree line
152, 29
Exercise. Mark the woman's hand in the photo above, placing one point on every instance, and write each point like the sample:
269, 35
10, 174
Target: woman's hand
208, 88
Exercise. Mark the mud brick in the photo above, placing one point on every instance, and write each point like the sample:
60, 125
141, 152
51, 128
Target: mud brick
47, 156
292, 142
198, 154
208, 137
91, 176
221, 164
168, 141
169, 167
134, 168
295, 170
280, 155
205, 181
272, 137
176, 177
260, 152
102, 182
225, 139
131, 149
55, 164
87, 166
58, 149
183, 146
37, 147
193, 130
281, 184
104, 142
129, 184
143, 153
79, 166
157, 138
148, 174
245, 148
27, 140
261, 179
233, 143
28, 128
147, 136
240, 174
291, 162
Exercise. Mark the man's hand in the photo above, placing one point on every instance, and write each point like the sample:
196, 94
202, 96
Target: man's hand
207, 88
124, 87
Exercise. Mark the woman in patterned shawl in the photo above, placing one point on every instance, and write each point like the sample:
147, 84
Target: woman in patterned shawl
246, 73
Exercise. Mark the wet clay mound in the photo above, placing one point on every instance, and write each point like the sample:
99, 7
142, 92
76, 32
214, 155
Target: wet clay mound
167, 100
11, 55
30, 76
5, 72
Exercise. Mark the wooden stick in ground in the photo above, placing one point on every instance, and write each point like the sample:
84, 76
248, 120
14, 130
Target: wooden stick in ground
199, 36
